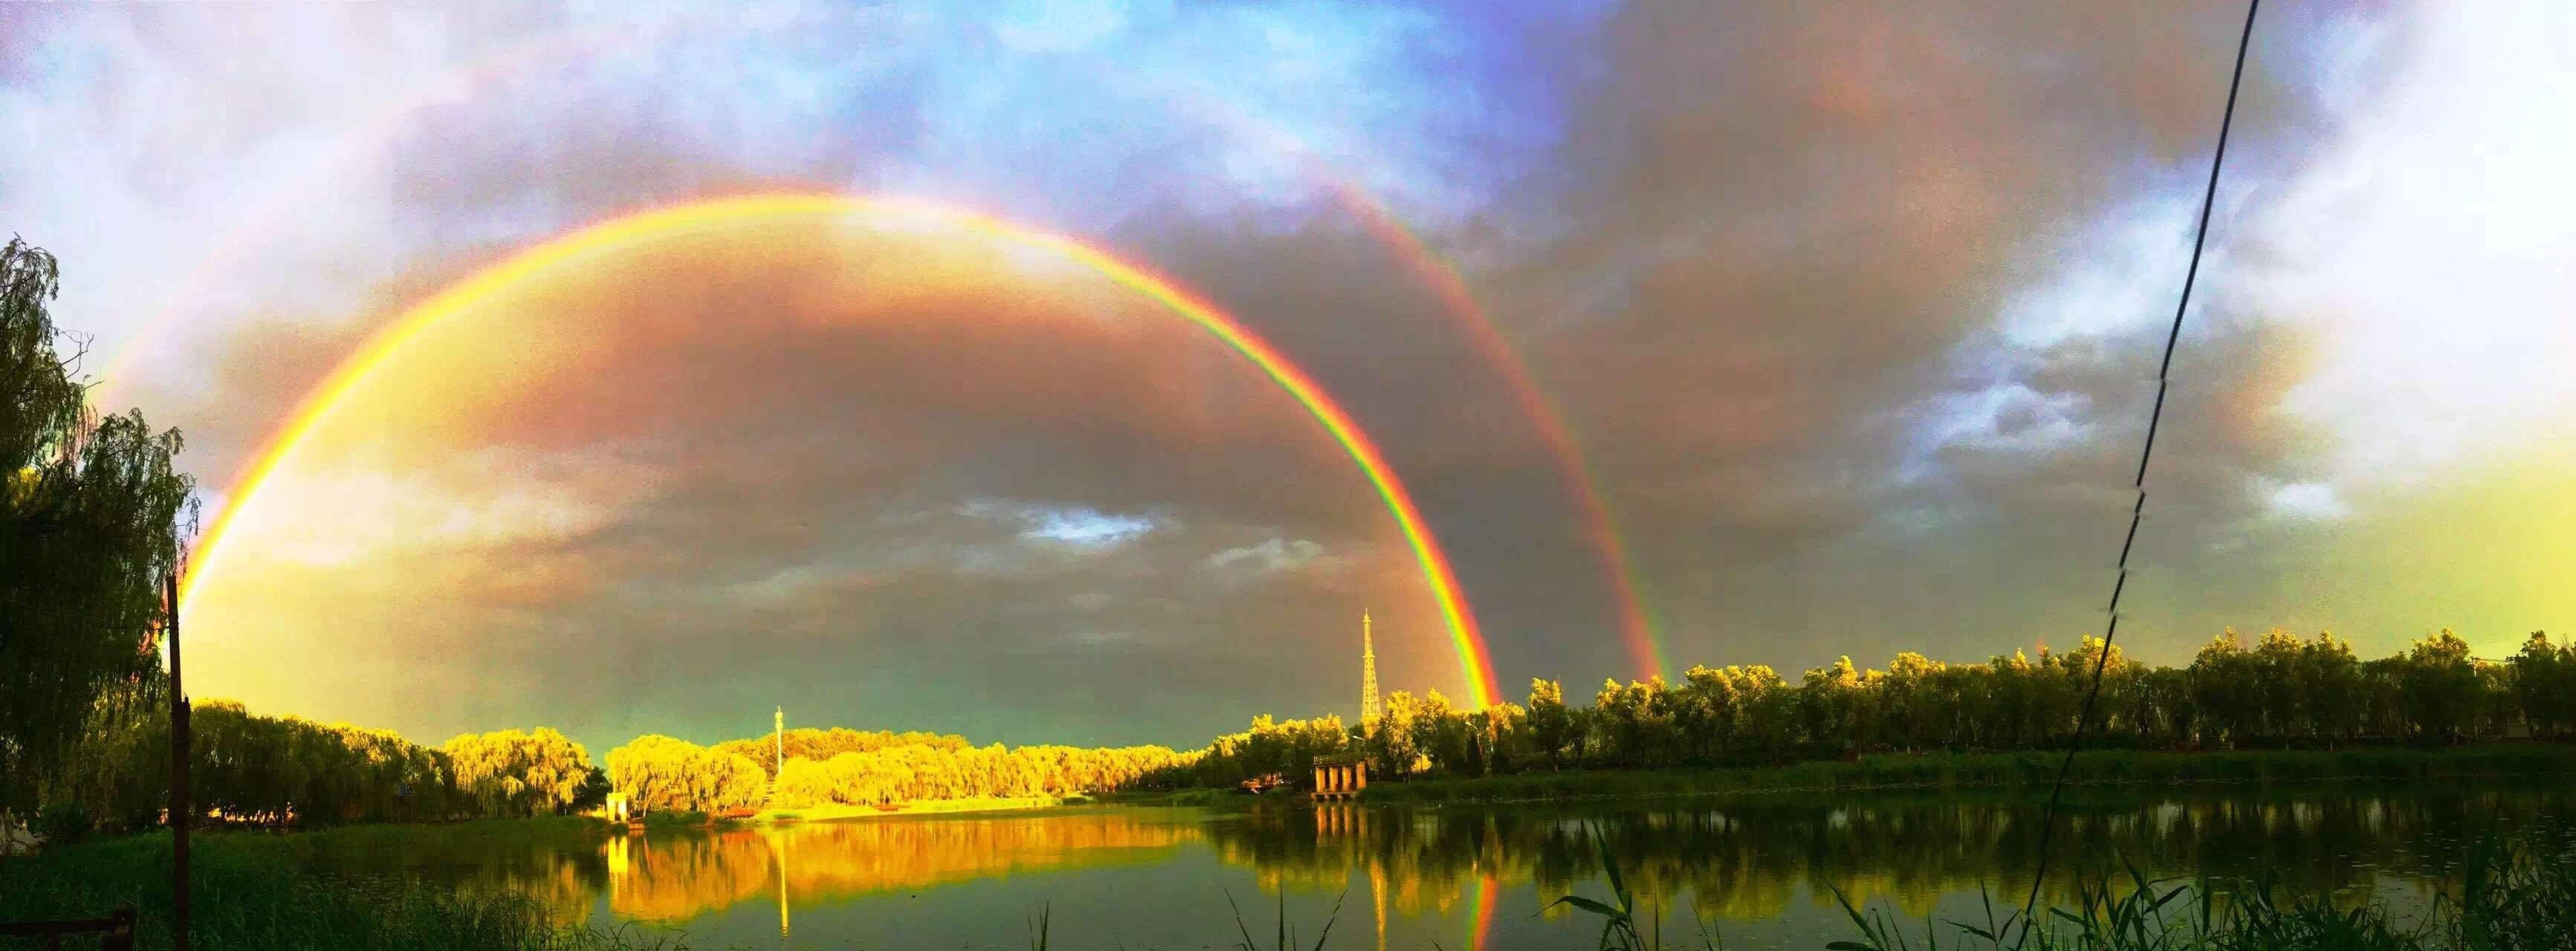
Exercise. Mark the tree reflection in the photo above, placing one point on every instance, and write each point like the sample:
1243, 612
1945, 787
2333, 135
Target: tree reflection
1740, 860
1748, 859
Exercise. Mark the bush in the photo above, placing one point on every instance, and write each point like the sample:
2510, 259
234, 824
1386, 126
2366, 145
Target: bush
62, 824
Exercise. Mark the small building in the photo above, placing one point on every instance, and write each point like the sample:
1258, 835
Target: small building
1340, 776
620, 808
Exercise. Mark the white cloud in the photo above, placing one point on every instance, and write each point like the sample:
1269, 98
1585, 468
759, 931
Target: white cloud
1269, 556
2428, 249
2308, 500
1084, 528
1079, 528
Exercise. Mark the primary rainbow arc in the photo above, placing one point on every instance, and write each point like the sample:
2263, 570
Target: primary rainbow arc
1475, 660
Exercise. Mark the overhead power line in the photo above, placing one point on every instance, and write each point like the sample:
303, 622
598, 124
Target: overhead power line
2137, 510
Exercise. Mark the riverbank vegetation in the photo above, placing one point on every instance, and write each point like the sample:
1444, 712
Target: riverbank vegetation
2282, 708
255, 769
2279, 692
2022, 770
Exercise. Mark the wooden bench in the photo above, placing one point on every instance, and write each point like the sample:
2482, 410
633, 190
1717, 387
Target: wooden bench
116, 930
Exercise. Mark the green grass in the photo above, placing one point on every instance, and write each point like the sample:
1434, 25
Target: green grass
2000, 770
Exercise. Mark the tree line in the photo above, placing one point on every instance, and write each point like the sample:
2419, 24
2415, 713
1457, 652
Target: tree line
2278, 691
256, 769
2281, 690
852, 767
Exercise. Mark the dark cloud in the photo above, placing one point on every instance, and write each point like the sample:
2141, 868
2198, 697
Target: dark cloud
877, 455
1854, 307
1787, 228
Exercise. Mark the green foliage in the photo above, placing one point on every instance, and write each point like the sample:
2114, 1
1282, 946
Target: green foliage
62, 824
898, 774
821, 745
663, 773
515, 773
675, 819
2282, 692
2544, 683
251, 768
1286, 747
91, 513
2004, 770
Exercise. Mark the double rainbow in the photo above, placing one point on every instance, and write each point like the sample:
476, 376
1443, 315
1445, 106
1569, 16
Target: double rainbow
387, 345
1636, 624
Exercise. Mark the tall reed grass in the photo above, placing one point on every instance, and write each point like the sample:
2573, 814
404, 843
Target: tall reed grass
2509, 899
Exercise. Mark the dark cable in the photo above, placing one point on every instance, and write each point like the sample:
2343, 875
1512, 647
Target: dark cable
2084, 719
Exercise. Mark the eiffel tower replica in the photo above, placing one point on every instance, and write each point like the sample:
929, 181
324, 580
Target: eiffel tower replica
1369, 711
778, 745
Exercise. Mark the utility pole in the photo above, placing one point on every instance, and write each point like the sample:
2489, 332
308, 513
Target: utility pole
178, 776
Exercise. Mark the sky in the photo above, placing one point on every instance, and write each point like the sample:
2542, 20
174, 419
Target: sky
1697, 333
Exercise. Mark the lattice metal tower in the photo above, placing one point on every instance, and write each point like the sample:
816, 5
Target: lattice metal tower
778, 741
1368, 677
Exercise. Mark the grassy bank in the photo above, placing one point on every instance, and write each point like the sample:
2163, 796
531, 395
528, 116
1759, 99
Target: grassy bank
1996, 770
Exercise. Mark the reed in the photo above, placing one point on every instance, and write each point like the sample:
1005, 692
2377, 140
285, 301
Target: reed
2509, 900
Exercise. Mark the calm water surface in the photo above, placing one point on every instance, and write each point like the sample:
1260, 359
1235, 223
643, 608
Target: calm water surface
1757, 872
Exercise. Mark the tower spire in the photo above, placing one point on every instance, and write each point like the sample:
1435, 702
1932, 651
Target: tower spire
1369, 711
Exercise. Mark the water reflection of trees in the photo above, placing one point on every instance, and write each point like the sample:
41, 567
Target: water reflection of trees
667, 875
1739, 860
566, 873
1746, 859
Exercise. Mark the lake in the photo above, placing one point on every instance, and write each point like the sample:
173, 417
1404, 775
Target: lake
1759, 872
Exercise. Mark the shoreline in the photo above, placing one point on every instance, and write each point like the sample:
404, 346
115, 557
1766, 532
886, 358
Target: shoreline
1992, 771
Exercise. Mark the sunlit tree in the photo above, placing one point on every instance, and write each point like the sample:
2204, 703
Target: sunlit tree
91, 513
510, 772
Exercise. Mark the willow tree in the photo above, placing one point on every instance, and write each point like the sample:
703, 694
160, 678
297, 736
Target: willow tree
91, 518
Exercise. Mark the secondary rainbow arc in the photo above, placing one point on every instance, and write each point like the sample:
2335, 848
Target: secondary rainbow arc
1639, 629
1475, 660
